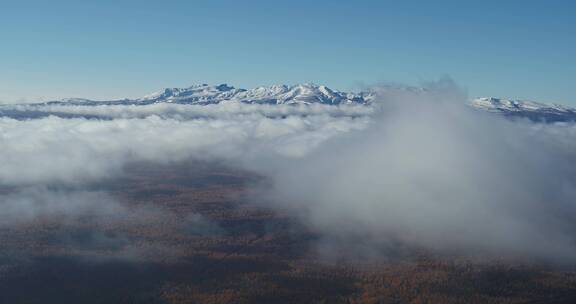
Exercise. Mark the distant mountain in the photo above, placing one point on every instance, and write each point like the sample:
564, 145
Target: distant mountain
204, 94
528, 109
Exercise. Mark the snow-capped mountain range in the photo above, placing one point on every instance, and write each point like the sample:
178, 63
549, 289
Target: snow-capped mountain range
524, 108
204, 94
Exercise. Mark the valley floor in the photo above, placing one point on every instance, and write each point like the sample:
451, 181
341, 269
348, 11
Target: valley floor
191, 235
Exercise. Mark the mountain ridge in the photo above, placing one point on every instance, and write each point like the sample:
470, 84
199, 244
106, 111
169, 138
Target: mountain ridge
308, 93
203, 94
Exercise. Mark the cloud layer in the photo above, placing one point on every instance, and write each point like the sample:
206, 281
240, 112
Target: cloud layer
417, 167
56, 149
432, 173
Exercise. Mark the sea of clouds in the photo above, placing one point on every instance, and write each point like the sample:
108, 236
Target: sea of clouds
416, 167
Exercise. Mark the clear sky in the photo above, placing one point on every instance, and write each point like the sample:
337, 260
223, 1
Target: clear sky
109, 49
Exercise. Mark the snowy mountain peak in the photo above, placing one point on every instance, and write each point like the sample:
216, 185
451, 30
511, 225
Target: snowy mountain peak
502, 104
525, 108
276, 94
308, 93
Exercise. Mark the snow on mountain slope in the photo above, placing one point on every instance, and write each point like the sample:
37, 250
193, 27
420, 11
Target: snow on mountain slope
204, 94
197, 94
525, 108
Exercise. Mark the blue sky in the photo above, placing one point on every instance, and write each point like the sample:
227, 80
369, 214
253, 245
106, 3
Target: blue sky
108, 49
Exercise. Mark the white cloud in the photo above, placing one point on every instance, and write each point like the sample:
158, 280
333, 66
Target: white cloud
417, 168
432, 173
55, 149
